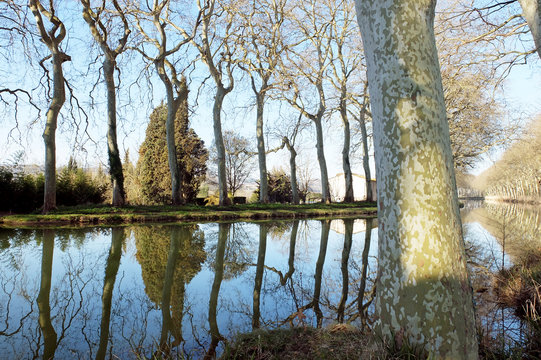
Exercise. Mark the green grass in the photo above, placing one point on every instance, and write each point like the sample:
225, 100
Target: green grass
104, 214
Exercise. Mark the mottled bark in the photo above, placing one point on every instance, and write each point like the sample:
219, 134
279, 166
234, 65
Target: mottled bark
260, 268
423, 291
531, 10
44, 306
111, 270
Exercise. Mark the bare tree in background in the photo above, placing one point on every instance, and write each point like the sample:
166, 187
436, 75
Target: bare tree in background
262, 41
52, 38
175, 88
97, 21
216, 48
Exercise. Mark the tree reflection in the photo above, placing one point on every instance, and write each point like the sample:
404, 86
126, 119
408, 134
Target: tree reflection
348, 239
260, 267
363, 305
170, 256
223, 234
45, 324
111, 269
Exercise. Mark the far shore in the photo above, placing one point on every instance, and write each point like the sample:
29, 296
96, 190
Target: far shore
108, 215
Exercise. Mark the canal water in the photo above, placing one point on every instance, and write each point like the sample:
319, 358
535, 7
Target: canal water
185, 290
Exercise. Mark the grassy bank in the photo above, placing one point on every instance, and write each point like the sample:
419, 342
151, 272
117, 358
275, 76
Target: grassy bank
102, 214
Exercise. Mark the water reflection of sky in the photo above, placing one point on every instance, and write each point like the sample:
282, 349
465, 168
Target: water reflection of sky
80, 258
78, 267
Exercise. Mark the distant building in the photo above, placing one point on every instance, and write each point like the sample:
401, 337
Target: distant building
337, 185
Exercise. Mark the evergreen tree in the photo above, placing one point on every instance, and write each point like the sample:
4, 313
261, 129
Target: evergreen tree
152, 167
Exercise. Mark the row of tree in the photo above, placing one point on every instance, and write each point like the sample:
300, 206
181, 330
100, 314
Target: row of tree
304, 54
517, 174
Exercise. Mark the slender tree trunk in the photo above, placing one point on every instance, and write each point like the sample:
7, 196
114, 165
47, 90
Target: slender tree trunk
262, 156
366, 159
325, 192
293, 174
423, 292
111, 270
44, 306
115, 164
219, 140
173, 104
348, 176
531, 10
49, 134
259, 276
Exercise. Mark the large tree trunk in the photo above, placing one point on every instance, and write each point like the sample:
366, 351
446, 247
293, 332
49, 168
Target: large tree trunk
115, 164
531, 10
366, 162
262, 156
49, 134
325, 192
219, 140
423, 291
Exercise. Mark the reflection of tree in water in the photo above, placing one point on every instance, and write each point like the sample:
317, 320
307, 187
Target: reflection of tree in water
153, 246
170, 256
239, 251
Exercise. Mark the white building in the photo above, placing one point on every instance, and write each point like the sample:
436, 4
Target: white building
337, 186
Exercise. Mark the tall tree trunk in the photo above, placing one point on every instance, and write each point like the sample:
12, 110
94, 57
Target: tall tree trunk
111, 270
115, 164
49, 134
260, 267
44, 306
291, 258
531, 10
348, 176
325, 192
262, 156
366, 162
423, 291
173, 104
219, 141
